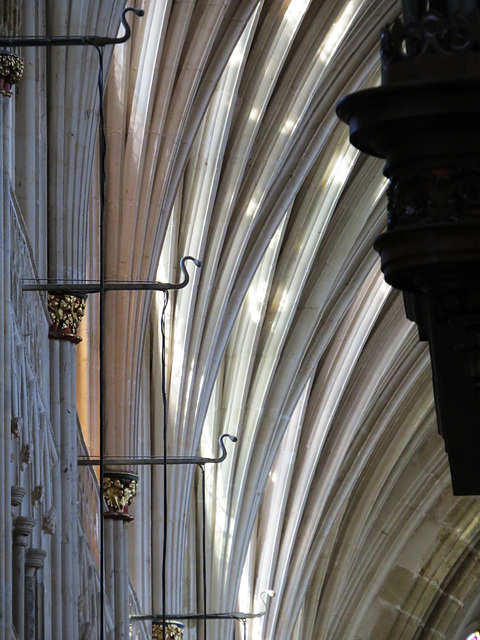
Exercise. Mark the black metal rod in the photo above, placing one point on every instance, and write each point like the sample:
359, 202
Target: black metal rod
204, 552
153, 460
84, 287
101, 369
211, 616
67, 41
195, 616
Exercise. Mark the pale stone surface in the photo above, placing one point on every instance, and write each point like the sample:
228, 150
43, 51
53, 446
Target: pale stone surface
223, 144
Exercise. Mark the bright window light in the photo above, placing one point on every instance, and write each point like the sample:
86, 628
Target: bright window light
295, 10
288, 126
252, 208
337, 32
474, 636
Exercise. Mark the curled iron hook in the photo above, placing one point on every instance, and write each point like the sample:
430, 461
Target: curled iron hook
66, 41
183, 269
128, 30
85, 287
222, 445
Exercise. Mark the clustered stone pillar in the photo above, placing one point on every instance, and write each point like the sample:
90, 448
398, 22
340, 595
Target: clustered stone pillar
66, 312
119, 491
23, 527
34, 561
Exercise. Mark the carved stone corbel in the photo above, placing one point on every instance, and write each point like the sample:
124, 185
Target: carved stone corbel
66, 312
11, 72
174, 631
16, 426
49, 521
119, 491
26, 455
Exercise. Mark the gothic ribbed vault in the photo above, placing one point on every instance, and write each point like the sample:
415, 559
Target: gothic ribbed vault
224, 144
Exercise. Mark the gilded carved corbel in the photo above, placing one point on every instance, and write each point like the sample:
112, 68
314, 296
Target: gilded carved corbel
66, 312
119, 491
174, 631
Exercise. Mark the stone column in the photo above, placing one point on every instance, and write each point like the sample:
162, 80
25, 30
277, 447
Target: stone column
119, 490
33, 562
66, 312
21, 530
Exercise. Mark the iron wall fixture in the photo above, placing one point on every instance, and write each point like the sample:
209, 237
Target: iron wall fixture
425, 121
237, 615
68, 41
160, 460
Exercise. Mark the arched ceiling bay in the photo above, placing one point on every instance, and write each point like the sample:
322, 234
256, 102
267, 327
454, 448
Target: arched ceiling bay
224, 145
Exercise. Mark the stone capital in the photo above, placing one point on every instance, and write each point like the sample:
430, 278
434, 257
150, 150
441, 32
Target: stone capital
174, 630
11, 71
34, 560
66, 312
119, 491
22, 528
17, 495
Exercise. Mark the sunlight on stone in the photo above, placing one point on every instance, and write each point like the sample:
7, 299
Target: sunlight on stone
296, 10
342, 167
337, 32
288, 126
251, 209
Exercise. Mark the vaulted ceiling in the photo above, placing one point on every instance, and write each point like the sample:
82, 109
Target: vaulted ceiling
224, 145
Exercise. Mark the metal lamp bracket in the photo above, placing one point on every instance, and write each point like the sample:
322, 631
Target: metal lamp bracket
67, 41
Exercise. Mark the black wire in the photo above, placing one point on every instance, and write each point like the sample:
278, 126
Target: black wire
102, 408
244, 622
165, 493
204, 554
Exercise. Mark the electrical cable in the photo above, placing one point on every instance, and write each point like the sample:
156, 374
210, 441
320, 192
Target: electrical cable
101, 374
204, 554
165, 492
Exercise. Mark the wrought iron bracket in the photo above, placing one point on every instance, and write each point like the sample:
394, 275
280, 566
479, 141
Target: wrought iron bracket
237, 615
85, 287
67, 41
160, 460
